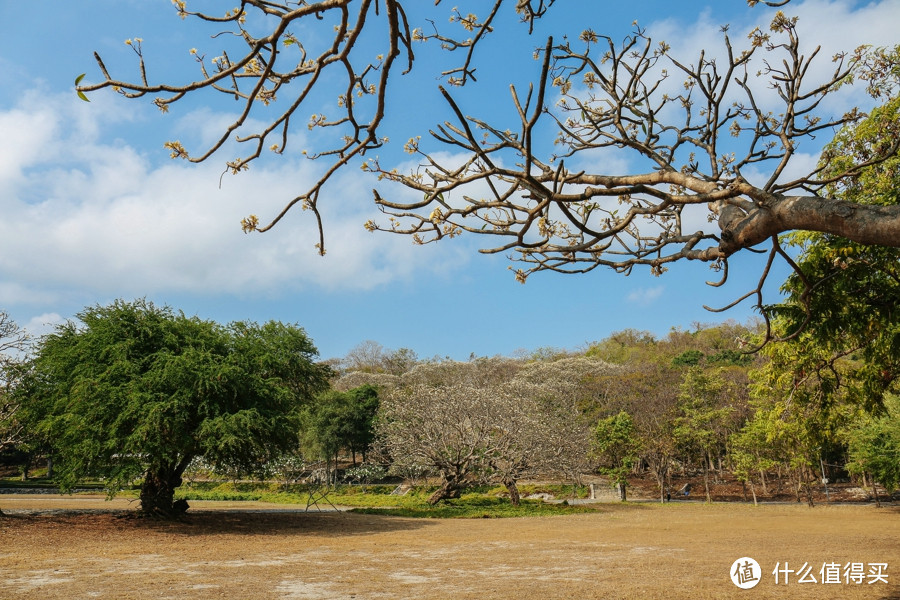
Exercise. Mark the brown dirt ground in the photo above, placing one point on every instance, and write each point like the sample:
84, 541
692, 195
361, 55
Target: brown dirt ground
256, 551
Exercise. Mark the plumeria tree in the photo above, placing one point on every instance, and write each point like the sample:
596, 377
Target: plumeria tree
489, 420
14, 345
696, 129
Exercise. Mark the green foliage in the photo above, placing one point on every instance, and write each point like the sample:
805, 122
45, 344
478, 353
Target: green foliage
78, 92
136, 391
729, 358
847, 300
751, 450
623, 346
472, 506
704, 409
616, 446
688, 358
874, 446
341, 420
480, 502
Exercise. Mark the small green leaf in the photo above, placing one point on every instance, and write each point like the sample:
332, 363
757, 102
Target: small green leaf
82, 96
79, 78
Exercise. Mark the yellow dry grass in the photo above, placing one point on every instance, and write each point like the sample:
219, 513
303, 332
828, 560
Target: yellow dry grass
622, 551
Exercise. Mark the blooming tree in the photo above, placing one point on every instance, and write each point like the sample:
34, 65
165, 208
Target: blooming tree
697, 127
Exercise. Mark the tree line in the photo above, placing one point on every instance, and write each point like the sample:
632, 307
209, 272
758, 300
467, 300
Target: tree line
138, 394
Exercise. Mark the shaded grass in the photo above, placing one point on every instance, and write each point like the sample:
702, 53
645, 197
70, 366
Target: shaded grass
480, 502
477, 506
44, 483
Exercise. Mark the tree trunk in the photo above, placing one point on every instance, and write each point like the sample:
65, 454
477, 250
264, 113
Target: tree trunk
158, 492
706, 482
513, 490
622, 489
875, 492
450, 488
808, 488
753, 491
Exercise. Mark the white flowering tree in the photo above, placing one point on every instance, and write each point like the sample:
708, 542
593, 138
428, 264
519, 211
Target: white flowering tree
490, 420
14, 344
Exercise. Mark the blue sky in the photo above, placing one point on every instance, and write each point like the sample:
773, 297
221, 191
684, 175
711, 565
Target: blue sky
93, 209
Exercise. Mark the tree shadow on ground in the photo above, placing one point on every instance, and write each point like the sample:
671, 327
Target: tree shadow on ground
230, 522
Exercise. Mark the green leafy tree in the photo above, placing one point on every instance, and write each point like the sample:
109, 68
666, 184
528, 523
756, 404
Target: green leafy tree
135, 391
14, 345
874, 447
705, 417
359, 428
751, 454
340, 421
843, 307
616, 446
796, 428
321, 431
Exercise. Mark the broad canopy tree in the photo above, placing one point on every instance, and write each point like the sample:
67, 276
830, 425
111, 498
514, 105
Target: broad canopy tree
698, 127
135, 391
489, 420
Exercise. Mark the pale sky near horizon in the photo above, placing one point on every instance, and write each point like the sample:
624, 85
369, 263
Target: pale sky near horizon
93, 209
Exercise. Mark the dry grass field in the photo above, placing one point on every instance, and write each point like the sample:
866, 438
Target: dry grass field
643, 550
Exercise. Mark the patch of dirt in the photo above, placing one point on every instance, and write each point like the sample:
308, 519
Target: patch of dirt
668, 551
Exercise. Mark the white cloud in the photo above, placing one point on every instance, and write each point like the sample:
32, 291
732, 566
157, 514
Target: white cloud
43, 324
831, 26
85, 213
645, 296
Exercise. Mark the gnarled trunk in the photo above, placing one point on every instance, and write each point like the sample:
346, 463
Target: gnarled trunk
158, 491
514, 498
450, 488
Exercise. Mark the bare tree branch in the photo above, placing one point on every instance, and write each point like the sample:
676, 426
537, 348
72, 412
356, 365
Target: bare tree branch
680, 124
621, 97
